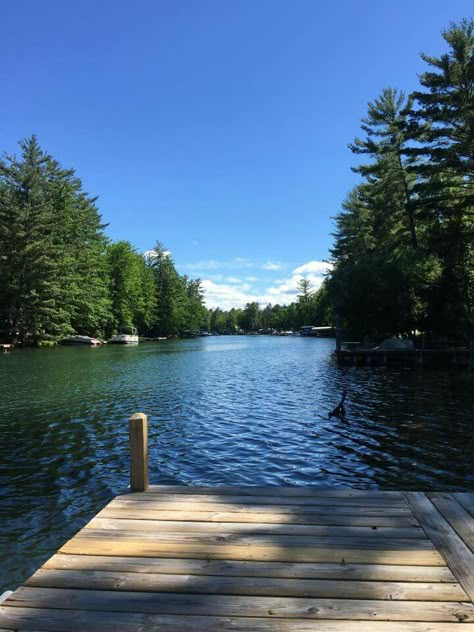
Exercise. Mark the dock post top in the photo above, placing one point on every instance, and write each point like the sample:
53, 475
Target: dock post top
138, 417
138, 435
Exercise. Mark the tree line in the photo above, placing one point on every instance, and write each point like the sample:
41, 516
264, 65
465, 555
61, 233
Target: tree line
403, 252
309, 308
60, 274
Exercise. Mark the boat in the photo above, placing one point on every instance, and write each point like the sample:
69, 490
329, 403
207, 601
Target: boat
317, 332
190, 333
127, 336
308, 330
79, 341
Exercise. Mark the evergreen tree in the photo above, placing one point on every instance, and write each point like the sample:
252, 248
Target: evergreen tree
442, 126
132, 288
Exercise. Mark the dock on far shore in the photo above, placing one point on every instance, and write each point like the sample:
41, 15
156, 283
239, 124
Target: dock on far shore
449, 357
257, 559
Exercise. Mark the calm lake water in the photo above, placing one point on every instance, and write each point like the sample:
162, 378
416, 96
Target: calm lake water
222, 410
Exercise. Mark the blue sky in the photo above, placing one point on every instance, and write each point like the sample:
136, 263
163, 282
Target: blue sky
219, 127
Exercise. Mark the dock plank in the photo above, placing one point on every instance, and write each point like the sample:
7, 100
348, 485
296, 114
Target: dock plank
353, 509
466, 499
258, 559
379, 519
256, 586
237, 606
91, 542
266, 499
253, 490
233, 568
455, 514
53, 620
261, 528
457, 554
243, 539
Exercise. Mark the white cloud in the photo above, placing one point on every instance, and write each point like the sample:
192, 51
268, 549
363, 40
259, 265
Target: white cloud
151, 254
236, 292
315, 267
272, 265
226, 296
215, 277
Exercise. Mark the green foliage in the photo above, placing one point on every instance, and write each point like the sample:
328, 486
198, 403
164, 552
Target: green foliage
403, 253
50, 243
179, 300
59, 274
313, 308
132, 288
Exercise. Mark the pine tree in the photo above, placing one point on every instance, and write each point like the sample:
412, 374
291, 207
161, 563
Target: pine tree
442, 127
386, 140
32, 298
52, 273
132, 288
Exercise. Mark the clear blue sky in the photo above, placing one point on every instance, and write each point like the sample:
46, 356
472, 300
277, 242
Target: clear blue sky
219, 127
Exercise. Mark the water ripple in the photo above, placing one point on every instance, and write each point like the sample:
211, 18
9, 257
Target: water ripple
222, 411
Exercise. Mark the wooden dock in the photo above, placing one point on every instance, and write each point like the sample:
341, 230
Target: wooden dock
257, 559
455, 357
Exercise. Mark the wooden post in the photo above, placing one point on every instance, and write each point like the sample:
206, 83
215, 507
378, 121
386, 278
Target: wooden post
138, 432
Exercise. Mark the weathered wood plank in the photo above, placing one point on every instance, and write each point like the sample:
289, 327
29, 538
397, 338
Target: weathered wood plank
236, 539
459, 557
257, 586
236, 606
132, 511
459, 519
368, 572
201, 559
97, 621
164, 505
300, 501
466, 499
275, 490
185, 526
84, 544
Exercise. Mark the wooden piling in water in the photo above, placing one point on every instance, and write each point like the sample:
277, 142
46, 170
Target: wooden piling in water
138, 433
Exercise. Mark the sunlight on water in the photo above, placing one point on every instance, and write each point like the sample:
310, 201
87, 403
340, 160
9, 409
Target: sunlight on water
247, 411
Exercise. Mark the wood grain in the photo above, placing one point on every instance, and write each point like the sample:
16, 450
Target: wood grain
55, 620
236, 606
458, 556
225, 568
261, 586
259, 559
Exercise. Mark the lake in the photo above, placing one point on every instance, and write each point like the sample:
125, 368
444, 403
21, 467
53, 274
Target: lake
240, 410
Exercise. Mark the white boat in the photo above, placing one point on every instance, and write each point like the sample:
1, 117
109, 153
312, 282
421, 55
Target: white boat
80, 341
127, 336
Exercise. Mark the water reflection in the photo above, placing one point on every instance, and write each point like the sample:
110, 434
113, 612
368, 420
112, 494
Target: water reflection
222, 411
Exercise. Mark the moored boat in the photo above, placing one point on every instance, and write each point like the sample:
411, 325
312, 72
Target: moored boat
79, 341
127, 336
